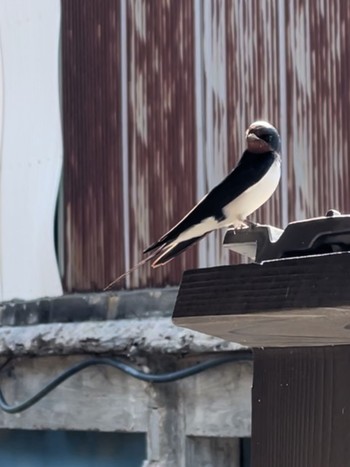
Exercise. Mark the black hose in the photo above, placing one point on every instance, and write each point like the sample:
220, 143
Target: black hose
129, 370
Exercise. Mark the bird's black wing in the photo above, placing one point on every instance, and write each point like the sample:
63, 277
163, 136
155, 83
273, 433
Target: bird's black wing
168, 253
250, 169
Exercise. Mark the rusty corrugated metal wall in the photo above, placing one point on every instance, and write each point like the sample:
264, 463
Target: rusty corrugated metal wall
318, 104
156, 99
93, 196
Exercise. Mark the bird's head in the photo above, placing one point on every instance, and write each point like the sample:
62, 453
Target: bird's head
262, 137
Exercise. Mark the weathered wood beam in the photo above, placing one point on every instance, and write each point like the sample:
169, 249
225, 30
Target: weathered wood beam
289, 302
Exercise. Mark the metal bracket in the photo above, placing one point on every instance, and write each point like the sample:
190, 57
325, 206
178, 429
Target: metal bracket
319, 235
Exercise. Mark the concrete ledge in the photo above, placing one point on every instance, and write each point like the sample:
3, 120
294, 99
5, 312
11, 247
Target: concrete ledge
129, 337
90, 307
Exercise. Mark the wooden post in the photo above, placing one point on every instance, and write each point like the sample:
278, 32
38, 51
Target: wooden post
296, 310
301, 407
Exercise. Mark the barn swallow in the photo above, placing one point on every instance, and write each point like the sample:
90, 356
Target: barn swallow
250, 184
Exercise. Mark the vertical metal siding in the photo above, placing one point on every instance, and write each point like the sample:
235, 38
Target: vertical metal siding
92, 143
318, 37
162, 145
215, 134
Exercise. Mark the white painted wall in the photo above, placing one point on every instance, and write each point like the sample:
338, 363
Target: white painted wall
31, 147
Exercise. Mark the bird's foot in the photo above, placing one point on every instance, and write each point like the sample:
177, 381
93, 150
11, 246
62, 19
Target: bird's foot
251, 224
236, 227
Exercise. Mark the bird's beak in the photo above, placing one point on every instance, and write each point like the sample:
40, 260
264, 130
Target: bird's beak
251, 137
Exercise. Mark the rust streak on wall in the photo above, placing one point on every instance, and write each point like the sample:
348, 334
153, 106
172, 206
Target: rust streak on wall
162, 143
94, 252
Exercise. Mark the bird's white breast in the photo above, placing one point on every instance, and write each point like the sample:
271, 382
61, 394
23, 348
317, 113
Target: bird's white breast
254, 197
